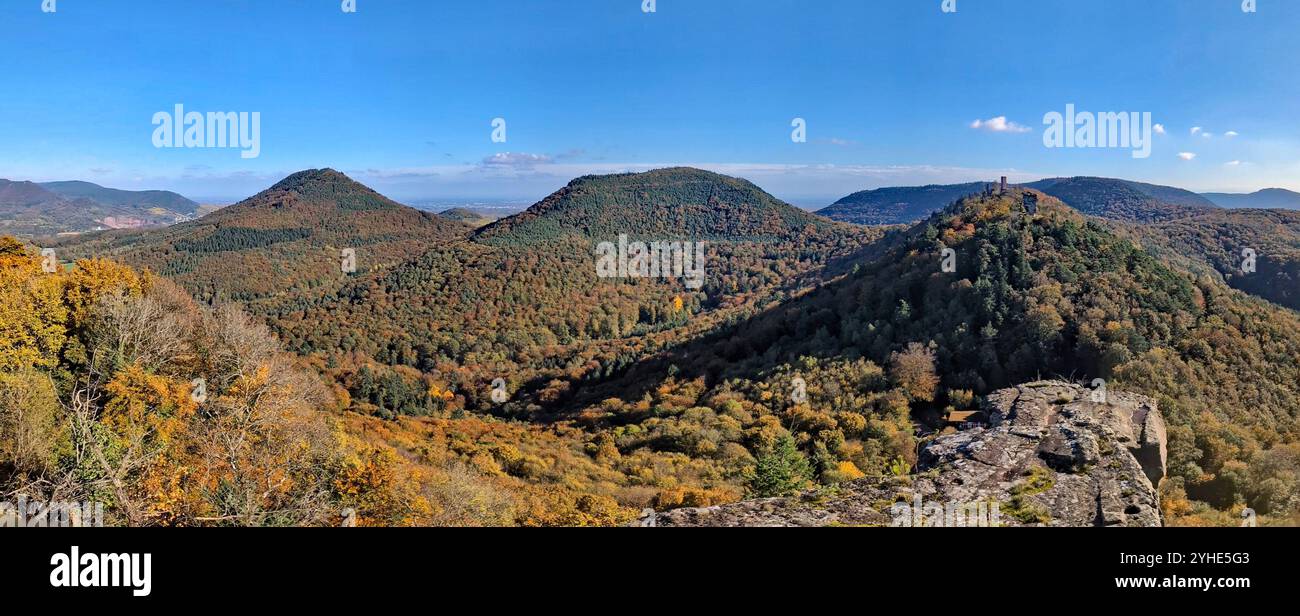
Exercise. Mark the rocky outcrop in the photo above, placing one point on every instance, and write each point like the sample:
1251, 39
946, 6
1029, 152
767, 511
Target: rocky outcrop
1053, 454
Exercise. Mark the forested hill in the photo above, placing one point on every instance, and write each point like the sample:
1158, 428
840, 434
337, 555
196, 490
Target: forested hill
1124, 199
467, 215
896, 205
310, 194
524, 297
164, 199
1044, 294
1254, 250
284, 241
664, 203
31, 209
1104, 197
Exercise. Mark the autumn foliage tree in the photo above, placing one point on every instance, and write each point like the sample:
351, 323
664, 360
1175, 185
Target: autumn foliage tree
913, 370
116, 387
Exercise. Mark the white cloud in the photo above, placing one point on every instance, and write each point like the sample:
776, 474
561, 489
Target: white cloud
1159, 128
999, 124
1230, 134
516, 159
1187, 155
844, 143
1233, 163
1196, 129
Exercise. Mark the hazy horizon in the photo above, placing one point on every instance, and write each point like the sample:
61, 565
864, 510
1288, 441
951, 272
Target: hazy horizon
513, 204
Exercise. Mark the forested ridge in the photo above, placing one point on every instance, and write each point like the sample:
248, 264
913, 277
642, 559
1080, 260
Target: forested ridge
1124, 199
1218, 242
897, 205
816, 352
1109, 198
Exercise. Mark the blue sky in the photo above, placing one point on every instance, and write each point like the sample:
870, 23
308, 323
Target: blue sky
401, 94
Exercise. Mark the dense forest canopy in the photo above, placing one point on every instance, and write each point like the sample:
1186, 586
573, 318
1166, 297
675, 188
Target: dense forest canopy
491, 377
1256, 251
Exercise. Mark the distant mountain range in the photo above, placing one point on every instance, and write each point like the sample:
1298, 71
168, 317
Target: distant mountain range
48, 208
1203, 233
31, 209
1270, 198
1105, 197
125, 198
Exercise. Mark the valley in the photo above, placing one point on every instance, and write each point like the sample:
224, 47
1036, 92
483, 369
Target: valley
486, 374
